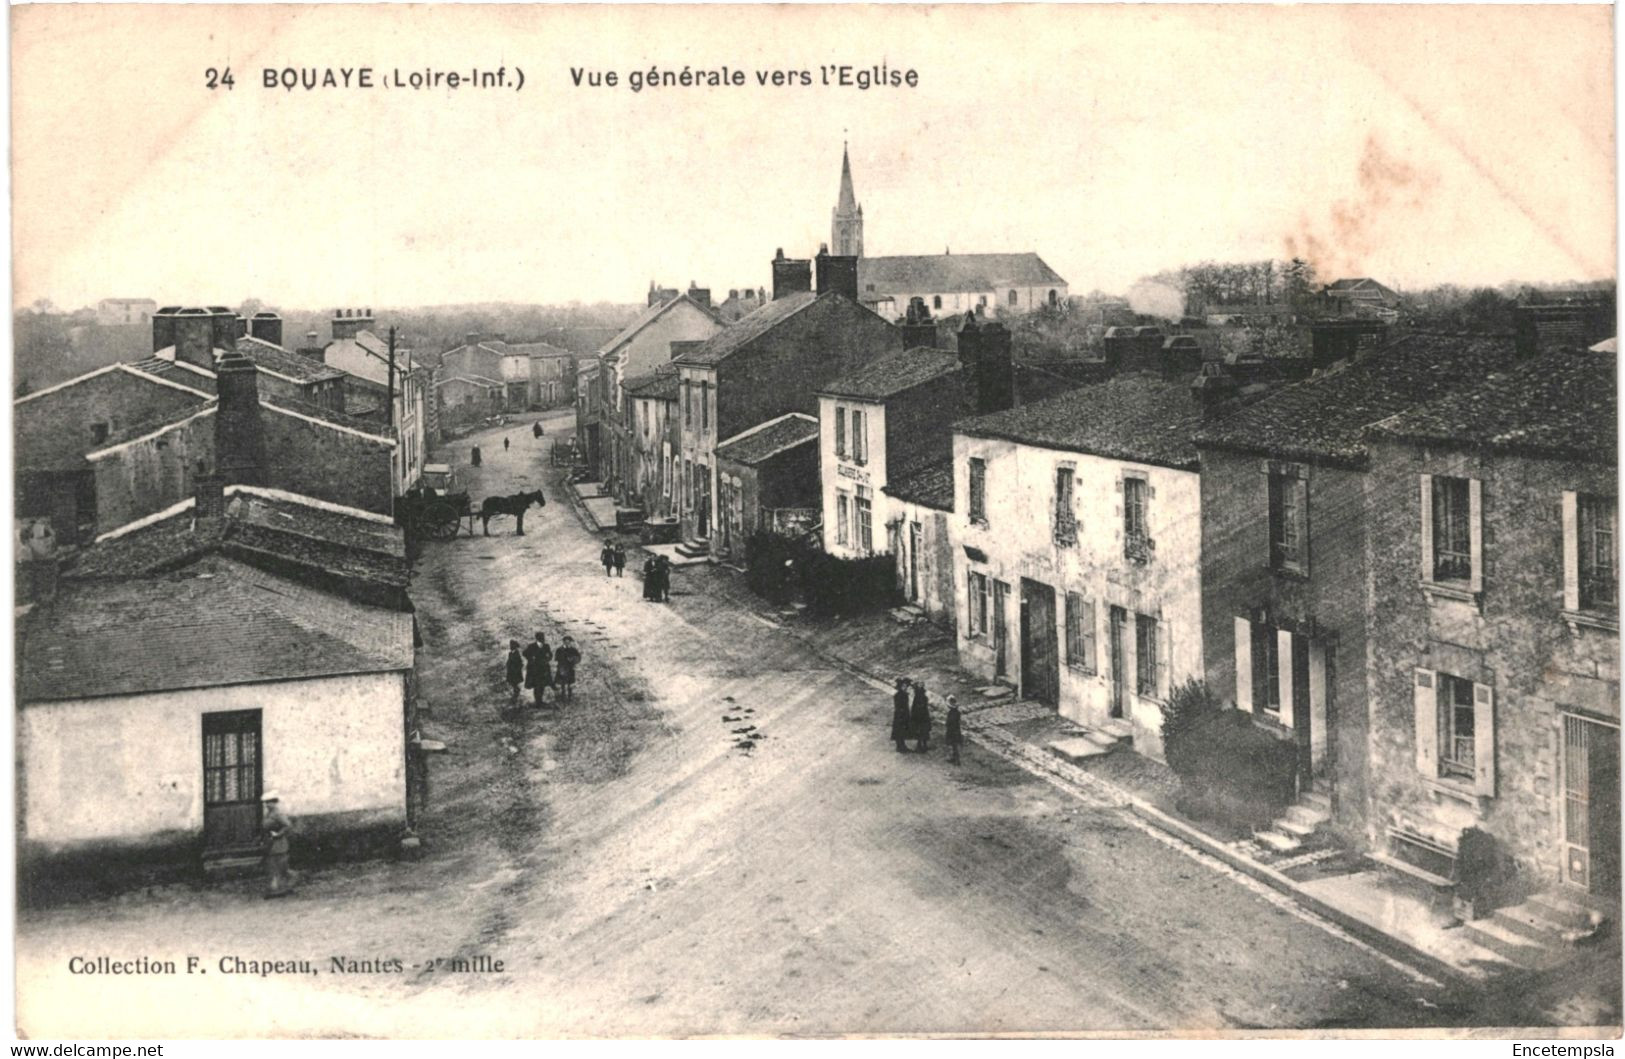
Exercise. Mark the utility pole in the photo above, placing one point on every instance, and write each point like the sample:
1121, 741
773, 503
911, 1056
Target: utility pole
389, 413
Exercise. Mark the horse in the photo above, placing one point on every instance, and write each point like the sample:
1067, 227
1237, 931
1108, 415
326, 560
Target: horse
514, 505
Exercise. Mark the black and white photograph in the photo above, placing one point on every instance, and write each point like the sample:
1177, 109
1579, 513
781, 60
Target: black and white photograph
543, 522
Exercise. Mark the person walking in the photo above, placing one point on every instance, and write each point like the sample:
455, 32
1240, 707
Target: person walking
651, 580
504, 444
920, 719
900, 716
620, 560
663, 573
474, 456
537, 673
275, 829
515, 673
567, 658
607, 557
536, 429
950, 730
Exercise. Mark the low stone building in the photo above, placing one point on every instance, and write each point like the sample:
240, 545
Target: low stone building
1079, 520
767, 479
1494, 668
921, 537
651, 401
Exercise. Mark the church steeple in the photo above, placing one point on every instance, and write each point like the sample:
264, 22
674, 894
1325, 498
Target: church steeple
846, 225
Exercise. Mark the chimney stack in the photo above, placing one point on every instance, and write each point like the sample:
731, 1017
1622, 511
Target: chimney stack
699, 294
347, 323
313, 348
163, 327
239, 444
1213, 388
194, 338
225, 327
790, 275
471, 339
267, 327
1572, 326
837, 273
918, 328
209, 495
984, 352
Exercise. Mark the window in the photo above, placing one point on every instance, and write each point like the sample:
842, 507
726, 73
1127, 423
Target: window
705, 406
1456, 742
98, 433
865, 541
1266, 653
1289, 518
1150, 660
1452, 536
860, 438
976, 603
842, 519
1013, 298
1054, 298
840, 431
978, 490
1599, 577
1080, 633
936, 301
688, 403
1136, 541
1066, 519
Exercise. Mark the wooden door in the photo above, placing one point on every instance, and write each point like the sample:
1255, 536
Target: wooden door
232, 772
1118, 618
914, 536
1591, 805
1040, 651
1001, 630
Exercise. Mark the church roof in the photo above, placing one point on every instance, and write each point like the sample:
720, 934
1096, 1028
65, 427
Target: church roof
953, 272
847, 203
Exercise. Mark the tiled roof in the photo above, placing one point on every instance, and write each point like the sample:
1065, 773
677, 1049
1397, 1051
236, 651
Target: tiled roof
285, 361
214, 623
1323, 417
769, 438
327, 415
953, 272
893, 373
1140, 417
156, 424
649, 316
729, 340
165, 368
1560, 404
930, 486
660, 385
539, 349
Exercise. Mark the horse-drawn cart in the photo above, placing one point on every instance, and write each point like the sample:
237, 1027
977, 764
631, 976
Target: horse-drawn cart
433, 509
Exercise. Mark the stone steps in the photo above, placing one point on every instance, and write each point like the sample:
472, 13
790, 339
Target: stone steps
1492, 935
1563, 910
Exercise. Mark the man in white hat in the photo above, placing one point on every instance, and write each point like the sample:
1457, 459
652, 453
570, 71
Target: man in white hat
275, 827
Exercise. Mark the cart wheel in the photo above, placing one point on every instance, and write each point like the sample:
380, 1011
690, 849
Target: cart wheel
444, 522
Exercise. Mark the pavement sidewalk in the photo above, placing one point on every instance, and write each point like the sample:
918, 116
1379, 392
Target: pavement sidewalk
1391, 914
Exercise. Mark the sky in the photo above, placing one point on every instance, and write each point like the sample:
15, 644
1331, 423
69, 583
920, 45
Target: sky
1417, 144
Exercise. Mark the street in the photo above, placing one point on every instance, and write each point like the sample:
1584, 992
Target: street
637, 871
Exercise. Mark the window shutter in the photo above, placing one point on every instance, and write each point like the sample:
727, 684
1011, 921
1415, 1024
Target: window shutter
1244, 665
1427, 527
840, 431
1283, 639
1089, 635
1484, 740
1427, 722
1165, 654
1475, 533
1303, 521
1571, 550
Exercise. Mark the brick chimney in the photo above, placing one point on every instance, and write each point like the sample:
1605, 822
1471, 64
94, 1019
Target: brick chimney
313, 347
790, 275
209, 495
837, 273
194, 337
1181, 355
267, 327
471, 339
348, 322
984, 352
1213, 388
918, 328
239, 443
163, 327
699, 294
225, 327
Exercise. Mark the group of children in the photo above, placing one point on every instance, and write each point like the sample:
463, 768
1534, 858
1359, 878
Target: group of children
539, 667
912, 720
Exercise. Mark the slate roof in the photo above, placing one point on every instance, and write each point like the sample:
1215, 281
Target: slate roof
769, 439
214, 623
953, 272
1140, 417
750, 327
660, 385
649, 316
929, 486
1323, 417
1562, 404
892, 373
285, 362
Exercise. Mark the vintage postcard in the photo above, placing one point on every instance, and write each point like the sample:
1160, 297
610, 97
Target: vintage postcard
767, 521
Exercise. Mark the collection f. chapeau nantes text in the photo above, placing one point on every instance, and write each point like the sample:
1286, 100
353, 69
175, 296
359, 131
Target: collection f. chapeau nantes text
264, 968
316, 78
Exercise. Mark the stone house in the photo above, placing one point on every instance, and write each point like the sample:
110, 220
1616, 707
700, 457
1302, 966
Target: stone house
767, 478
464, 400
1079, 522
390, 388
1285, 544
551, 374
877, 424
651, 401
1494, 671
922, 506
769, 363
